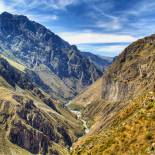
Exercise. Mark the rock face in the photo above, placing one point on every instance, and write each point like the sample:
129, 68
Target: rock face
47, 55
132, 72
30, 118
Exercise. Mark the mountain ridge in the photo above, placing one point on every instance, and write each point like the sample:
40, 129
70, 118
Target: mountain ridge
47, 55
128, 87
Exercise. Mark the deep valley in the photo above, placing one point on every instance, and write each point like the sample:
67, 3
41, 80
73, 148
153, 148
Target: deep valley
58, 100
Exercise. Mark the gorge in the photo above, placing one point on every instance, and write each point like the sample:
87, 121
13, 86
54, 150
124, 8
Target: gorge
56, 100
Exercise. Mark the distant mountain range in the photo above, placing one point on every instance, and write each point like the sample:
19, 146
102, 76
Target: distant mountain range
101, 62
56, 66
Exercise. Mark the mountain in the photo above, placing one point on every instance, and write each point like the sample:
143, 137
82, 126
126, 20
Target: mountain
121, 114
31, 122
52, 63
101, 62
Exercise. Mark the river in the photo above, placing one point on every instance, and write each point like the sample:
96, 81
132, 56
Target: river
79, 116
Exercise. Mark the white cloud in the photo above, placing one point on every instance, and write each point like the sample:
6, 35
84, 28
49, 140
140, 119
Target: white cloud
83, 38
25, 6
4, 7
53, 4
59, 4
42, 18
113, 24
141, 7
105, 49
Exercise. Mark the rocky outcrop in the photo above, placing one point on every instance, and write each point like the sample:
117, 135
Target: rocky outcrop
31, 128
29, 139
32, 119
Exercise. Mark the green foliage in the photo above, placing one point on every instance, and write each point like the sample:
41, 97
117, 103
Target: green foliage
149, 136
150, 105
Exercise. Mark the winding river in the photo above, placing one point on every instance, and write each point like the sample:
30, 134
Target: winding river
78, 114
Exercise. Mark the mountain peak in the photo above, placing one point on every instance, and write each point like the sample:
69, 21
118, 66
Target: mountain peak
6, 14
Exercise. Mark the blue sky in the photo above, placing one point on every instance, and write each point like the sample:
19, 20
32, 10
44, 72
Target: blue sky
104, 27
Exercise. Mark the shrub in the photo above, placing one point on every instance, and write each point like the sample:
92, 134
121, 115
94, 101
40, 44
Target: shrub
150, 105
149, 136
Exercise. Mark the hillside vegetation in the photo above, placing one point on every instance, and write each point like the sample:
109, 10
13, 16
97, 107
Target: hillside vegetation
130, 132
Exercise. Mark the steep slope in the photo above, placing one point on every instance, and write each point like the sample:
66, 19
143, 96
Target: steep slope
59, 65
30, 119
130, 77
101, 62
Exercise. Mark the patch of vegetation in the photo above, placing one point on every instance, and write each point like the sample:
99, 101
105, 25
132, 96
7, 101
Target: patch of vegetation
18, 66
149, 136
150, 105
75, 107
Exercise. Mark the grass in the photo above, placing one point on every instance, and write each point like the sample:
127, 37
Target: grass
149, 136
75, 107
17, 65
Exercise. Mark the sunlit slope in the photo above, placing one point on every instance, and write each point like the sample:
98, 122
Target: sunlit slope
90, 94
130, 132
18, 66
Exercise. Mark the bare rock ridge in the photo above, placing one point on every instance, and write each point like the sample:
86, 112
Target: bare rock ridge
58, 65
